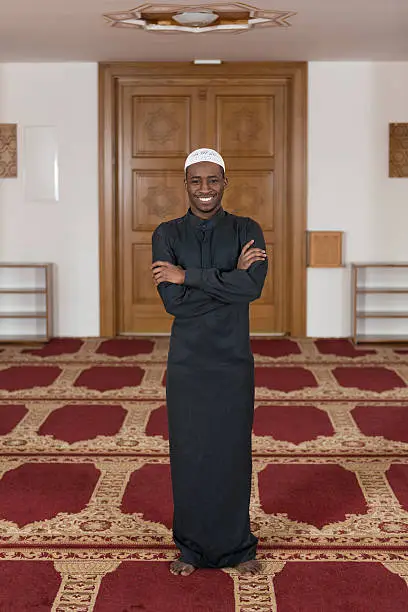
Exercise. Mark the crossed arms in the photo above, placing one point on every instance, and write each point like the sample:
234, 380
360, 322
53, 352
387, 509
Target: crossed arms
195, 291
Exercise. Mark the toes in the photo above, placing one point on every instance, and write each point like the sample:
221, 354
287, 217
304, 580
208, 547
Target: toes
250, 568
178, 568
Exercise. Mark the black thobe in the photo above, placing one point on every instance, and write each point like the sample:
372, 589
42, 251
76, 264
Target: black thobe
210, 384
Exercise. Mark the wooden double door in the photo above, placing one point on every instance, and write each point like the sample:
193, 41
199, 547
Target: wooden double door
160, 121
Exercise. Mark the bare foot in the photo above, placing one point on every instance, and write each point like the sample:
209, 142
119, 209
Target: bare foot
179, 568
250, 567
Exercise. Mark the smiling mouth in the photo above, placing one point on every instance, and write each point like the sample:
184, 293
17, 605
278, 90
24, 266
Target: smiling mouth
205, 200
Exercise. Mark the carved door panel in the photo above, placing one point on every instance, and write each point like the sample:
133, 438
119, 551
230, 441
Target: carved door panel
249, 124
158, 127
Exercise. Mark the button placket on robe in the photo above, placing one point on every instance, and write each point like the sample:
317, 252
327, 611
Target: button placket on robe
205, 233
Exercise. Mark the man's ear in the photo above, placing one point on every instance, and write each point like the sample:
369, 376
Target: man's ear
225, 182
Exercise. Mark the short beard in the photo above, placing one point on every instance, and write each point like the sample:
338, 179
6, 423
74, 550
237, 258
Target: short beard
206, 211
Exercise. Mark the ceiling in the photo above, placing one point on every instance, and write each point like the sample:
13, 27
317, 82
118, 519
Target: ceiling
74, 30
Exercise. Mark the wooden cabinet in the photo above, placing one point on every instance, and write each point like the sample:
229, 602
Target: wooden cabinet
380, 302
26, 302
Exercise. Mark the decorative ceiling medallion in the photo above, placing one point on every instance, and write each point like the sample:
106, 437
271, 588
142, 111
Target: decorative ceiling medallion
234, 17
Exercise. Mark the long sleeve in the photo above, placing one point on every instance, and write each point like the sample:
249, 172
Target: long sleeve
235, 286
179, 300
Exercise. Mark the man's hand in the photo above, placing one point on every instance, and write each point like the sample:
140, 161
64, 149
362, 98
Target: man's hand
165, 272
250, 255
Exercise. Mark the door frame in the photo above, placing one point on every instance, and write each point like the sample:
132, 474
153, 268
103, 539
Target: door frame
294, 74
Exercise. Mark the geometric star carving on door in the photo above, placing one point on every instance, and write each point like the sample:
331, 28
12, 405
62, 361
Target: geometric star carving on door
244, 200
244, 125
161, 201
161, 126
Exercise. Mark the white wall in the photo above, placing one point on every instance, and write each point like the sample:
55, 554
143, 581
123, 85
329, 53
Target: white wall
350, 107
66, 232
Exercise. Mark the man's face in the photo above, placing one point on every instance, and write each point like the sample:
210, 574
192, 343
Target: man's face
205, 186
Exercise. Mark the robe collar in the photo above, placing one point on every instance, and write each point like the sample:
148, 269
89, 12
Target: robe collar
205, 223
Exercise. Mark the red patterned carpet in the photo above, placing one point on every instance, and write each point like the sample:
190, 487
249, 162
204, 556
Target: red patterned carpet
85, 494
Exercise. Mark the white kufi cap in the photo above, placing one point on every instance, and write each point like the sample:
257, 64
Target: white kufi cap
204, 155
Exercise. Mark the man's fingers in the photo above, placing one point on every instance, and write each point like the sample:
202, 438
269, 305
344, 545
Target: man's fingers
249, 250
160, 277
247, 246
157, 264
251, 260
255, 252
158, 271
252, 255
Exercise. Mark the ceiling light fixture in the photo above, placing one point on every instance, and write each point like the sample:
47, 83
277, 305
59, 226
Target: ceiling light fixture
197, 19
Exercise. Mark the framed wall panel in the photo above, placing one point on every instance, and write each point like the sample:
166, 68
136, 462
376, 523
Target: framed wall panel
398, 152
8, 150
325, 249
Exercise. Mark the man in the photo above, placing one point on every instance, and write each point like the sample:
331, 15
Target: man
208, 266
